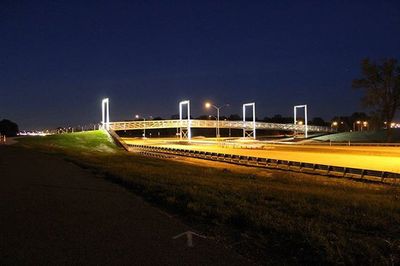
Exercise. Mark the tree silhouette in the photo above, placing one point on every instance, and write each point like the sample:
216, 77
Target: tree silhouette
8, 128
381, 84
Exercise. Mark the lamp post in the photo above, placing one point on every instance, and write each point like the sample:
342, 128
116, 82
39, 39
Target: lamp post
334, 125
358, 125
144, 125
208, 105
365, 125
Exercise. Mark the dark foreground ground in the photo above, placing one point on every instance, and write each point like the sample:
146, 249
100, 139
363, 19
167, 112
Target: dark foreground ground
53, 212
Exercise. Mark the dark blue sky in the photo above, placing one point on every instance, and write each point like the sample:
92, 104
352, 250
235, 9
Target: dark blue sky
58, 59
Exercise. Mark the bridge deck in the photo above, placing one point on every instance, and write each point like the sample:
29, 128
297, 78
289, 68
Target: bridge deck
160, 124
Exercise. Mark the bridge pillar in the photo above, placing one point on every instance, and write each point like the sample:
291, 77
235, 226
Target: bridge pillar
105, 114
305, 118
249, 132
184, 132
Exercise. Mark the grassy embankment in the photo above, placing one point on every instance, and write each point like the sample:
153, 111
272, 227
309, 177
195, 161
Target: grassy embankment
289, 218
361, 136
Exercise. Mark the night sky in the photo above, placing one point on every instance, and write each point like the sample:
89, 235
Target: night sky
58, 59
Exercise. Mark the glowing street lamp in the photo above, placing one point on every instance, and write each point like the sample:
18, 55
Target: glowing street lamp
365, 124
208, 105
358, 123
144, 125
334, 125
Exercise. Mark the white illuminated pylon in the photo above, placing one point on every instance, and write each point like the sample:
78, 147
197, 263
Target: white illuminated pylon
105, 114
305, 118
253, 131
188, 133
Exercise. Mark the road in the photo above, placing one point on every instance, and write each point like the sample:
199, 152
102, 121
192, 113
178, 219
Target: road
367, 157
53, 212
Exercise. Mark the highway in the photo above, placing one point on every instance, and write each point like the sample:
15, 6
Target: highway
364, 157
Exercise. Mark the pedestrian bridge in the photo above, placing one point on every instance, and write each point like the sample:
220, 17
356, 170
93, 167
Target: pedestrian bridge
194, 123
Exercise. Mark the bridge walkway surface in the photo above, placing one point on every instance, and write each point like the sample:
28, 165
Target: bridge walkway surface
195, 123
53, 212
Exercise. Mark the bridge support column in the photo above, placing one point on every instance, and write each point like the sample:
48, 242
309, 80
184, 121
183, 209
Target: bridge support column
105, 114
184, 132
249, 132
305, 118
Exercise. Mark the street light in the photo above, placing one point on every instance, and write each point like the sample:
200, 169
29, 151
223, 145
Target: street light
365, 124
334, 125
144, 125
208, 105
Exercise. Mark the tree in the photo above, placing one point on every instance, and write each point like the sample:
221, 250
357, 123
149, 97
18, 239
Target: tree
8, 128
280, 119
381, 84
203, 117
318, 121
234, 117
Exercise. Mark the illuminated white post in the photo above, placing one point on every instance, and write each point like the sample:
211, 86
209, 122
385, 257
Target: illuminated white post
105, 114
188, 132
252, 132
305, 118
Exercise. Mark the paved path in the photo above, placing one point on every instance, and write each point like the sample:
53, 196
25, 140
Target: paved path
53, 212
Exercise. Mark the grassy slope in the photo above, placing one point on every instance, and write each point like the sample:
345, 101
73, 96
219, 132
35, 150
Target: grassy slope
291, 218
360, 136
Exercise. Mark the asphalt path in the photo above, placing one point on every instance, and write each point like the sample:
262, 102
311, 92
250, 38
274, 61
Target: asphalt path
53, 212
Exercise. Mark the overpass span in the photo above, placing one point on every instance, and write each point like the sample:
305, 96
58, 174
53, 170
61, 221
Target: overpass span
195, 123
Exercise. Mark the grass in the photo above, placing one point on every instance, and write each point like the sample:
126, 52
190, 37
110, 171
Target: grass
361, 136
273, 216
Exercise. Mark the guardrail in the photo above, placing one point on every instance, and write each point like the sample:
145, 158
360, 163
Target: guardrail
295, 166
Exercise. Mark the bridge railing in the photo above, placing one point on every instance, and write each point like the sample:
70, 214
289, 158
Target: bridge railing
160, 124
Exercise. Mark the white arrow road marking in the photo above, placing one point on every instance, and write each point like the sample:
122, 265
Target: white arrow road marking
189, 235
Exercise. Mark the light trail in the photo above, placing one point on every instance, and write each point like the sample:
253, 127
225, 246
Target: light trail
372, 158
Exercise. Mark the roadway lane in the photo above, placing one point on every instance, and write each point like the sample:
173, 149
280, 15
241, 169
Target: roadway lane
373, 158
53, 212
